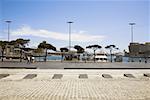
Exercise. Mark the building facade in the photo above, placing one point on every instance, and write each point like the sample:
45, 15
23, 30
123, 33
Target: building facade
139, 52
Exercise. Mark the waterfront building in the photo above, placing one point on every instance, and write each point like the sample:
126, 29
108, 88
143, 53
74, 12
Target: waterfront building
139, 51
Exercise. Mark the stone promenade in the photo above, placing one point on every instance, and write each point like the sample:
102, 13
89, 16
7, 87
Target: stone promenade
52, 84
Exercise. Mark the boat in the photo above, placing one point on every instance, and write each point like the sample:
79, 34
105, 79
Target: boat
101, 57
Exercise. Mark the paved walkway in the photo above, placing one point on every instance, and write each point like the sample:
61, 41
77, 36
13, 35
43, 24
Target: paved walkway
48, 84
59, 65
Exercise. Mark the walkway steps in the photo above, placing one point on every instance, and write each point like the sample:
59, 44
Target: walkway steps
3, 75
83, 76
30, 76
146, 74
129, 75
57, 76
106, 76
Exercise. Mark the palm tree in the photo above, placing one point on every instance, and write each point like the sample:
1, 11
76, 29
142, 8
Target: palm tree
111, 47
94, 47
21, 43
46, 46
79, 50
62, 51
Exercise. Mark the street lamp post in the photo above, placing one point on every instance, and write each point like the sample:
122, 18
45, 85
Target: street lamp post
69, 34
8, 22
132, 31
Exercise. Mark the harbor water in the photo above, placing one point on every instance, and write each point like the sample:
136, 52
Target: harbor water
124, 59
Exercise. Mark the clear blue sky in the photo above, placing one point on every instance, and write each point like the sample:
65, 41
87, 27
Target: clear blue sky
108, 20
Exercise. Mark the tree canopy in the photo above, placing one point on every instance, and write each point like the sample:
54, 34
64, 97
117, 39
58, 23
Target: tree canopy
79, 49
111, 47
22, 42
17, 43
45, 45
64, 49
94, 47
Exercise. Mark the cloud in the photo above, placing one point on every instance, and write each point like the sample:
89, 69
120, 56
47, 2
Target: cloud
2, 38
80, 36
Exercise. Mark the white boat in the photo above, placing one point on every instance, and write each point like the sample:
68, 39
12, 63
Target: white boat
101, 58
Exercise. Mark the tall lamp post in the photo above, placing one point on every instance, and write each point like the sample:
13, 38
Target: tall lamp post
131, 24
69, 34
8, 22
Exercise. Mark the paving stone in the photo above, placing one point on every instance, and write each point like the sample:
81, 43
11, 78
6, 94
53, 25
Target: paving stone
57, 76
30, 76
83, 76
106, 76
3, 75
75, 89
129, 75
147, 74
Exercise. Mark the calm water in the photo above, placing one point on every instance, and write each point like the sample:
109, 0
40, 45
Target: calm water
48, 58
58, 58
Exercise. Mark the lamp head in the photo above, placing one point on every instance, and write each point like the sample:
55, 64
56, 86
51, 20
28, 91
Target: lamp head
69, 22
8, 21
131, 23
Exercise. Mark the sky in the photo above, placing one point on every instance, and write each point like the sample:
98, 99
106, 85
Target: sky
101, 22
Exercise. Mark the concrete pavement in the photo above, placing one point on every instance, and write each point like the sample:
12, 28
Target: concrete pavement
70, 87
